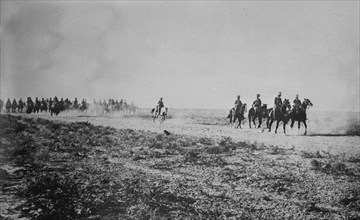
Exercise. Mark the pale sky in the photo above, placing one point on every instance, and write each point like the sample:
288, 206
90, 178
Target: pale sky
193, 54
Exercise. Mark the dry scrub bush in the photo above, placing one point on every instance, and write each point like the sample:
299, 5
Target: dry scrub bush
307, 154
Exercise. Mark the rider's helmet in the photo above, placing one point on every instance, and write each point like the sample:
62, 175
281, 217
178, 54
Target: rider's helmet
238, 97
279, 94
257, 95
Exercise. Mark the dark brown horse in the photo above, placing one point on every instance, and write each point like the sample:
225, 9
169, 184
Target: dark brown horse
257, 113
29, 106
279, 115
239, 115
300, 114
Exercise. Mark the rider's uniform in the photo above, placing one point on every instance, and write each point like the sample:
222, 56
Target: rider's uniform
238, 105
257, 103
278, 103
159, 106
297, 104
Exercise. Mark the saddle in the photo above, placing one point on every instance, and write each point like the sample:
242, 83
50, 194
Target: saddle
257, 109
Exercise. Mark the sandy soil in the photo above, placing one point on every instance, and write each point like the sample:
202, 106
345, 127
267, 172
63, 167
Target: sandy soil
268, 178
294, 139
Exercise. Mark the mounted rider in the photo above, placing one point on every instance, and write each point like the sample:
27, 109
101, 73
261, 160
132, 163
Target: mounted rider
56, 100
297, 104
8, 106
76, 103
238, 105
257, 103
20, 105
37, 103
29, 102
14, 105
44, 105
50, 103
159, 106
278, 103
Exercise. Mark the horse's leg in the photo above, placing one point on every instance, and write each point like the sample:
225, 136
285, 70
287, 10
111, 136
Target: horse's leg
284, 124
304, 121
271, 120
239, 122
277, 125
260, 121
299, 124
162, 119
249, 121
292, 123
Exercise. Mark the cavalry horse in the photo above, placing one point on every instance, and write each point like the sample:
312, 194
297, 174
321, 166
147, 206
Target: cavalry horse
300, 114
131, 109
239, 115
161, 115
56, 108
279, 115
30, 105
257, 113
8, 106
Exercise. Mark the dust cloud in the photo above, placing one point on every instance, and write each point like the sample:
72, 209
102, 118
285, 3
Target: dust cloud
327, 123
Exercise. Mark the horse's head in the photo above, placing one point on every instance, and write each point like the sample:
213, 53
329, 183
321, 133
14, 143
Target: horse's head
286, 104
307, 102
244, 108
264, 108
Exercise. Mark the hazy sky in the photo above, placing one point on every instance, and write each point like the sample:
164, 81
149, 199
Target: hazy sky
193, 54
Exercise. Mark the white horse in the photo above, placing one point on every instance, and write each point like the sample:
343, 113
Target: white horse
161, 115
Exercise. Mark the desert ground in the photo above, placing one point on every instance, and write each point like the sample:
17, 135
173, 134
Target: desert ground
82, 165
327, 131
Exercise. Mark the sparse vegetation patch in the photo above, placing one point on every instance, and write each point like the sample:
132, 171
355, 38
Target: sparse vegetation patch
82, 171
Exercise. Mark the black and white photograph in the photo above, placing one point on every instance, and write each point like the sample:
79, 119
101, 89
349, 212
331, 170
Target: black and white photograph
157, 110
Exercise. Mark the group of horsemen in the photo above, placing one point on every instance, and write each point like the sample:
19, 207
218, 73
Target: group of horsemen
277, 104
42, 105
238, 105
56, 104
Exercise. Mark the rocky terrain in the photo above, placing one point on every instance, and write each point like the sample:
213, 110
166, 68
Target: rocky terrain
82, 167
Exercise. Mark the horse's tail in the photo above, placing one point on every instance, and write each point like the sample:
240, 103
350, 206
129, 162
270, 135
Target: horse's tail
152, 111
270, 112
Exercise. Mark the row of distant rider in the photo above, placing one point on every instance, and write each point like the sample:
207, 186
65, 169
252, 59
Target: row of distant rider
112, 104
43, 105
277, 101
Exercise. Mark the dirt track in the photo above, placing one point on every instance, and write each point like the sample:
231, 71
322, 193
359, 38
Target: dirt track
348, 145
